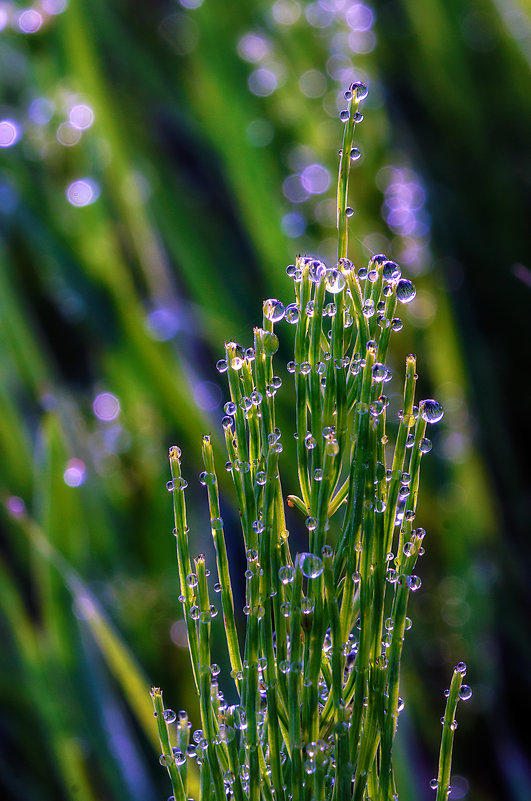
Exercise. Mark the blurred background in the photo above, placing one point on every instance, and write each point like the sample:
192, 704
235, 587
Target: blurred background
160, 165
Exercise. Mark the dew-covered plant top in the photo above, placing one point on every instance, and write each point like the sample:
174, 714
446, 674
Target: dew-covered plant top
317, 673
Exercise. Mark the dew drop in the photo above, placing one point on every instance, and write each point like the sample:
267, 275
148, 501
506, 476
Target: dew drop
465, 692
334, 281
292, 313
355, 154
286, 574
405, 291
425, 445
431, 411
310, 565
317, 271
379, 371
391, 271
359, 90
344, 115
274, 310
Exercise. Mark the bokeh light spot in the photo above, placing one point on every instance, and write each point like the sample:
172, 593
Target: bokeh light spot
75, 473
315, 179
81, 116
106, 406
82, 192
68, 135
293, 225
9, 133
262, 82
207, 395
29, 20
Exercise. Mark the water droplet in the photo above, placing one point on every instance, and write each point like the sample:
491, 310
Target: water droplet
318, 474
258, 526
349, 211
431, 411
405, 291
397, 324
317, 271
334, 280
261, 478
434, 784
270, 343
294, 272
285, 609
310, 565
311, 523
379, 371
465, 692
307, 606
357, 116
170, 716
216, 523
344, 115
460, 668
414, 583
286, 574
368, 308
390, 271
310, 442
355, 154
274, 310
359, 90
292, 313
425, 445
207, 479
164, 760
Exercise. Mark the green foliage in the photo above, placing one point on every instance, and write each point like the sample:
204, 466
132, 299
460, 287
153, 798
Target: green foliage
317, 679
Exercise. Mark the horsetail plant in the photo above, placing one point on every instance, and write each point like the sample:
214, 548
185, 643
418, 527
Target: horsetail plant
317, 676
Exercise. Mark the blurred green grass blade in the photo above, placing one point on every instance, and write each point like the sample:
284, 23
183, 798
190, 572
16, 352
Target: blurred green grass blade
120, 661
38, 677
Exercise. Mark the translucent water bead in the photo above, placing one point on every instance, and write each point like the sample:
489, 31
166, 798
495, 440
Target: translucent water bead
292, 313
274, 310
359, 90
465, 693
431, 410
310, 565
317, 270
391, 271
334, 281
294, 272
405, 291
355, 154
